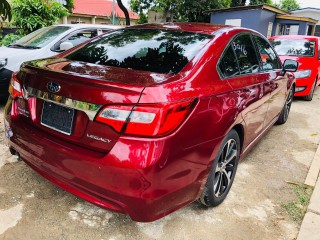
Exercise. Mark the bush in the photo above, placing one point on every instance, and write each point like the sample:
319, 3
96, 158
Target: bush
31, 15
9, 38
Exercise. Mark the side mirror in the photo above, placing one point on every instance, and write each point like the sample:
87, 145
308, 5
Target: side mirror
289, 66
65, 46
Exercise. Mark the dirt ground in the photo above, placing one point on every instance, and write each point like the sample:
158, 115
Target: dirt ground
33, 208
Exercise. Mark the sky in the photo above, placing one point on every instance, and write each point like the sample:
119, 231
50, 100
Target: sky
306, 3
303, 3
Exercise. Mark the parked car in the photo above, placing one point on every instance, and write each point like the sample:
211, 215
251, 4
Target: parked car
147, 119
43, 43
306, 51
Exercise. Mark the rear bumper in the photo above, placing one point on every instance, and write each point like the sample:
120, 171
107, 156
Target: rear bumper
142, 178
5, 76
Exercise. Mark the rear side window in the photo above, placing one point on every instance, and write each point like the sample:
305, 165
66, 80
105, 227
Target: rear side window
228, 64
268, 57
246, 54
152, 50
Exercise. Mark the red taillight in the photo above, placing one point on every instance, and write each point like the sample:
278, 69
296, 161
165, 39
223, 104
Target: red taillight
146, 119
15, 88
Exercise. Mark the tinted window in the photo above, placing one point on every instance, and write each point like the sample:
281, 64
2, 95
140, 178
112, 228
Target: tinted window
154, 50
268, 56
294, 47
246, 55
228, 63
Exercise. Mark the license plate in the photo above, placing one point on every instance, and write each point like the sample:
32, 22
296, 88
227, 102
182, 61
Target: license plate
57, 117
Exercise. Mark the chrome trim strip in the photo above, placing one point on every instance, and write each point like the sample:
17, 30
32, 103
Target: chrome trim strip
90, 109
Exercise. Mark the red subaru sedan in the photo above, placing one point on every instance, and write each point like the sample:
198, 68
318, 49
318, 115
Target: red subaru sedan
148, 119
306, 51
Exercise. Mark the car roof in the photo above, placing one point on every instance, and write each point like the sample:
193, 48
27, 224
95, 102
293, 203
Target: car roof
75, 26
295, 37
205, 28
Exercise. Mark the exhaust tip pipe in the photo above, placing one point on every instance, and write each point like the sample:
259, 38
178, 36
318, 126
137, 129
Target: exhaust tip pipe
14, 153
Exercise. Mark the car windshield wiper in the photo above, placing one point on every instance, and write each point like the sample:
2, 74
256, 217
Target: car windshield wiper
22, 46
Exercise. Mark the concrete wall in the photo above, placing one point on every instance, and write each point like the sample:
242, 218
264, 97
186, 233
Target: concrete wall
90, 20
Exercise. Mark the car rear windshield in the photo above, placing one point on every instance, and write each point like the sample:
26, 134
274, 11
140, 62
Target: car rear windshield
153, 50
294, 47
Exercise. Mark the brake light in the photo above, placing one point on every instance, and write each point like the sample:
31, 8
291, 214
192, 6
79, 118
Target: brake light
146, 119
15, 88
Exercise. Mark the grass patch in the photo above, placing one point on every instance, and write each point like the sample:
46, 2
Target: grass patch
296, 209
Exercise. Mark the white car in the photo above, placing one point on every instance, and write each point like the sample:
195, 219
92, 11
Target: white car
43, 43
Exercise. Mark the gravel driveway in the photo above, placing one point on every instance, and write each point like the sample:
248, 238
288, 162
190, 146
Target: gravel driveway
33, 208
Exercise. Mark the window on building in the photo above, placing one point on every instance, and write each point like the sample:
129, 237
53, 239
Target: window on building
233, 22
294, 29
270, 26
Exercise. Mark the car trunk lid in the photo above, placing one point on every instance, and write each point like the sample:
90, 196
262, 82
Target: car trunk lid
68, 111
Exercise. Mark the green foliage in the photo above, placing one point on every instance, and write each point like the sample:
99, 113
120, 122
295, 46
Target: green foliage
70, 5
296, 209
182, 10
9, 38
142, 18
258, 2
237, 3
31, 15
5, 10
289, 5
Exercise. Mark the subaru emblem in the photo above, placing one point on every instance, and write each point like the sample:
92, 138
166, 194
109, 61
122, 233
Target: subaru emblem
53, 87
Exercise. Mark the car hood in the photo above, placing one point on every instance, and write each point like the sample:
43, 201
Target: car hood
16, 56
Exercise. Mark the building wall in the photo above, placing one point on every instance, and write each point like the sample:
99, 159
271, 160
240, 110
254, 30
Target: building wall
92, 20
309, 14
265, 19
256, 19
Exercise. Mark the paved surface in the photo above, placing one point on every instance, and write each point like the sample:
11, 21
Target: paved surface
310, 226
33, 208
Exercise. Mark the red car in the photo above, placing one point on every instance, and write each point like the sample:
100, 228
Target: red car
148, 119
306, 51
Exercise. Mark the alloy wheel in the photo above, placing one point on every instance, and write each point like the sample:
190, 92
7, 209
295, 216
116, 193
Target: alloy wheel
288, 103
225, 168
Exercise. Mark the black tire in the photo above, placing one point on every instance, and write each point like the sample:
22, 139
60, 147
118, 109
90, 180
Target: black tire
310, 96
286, 108
223, 171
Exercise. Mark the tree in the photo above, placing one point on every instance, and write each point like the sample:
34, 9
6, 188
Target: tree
258, 2
237, 3
125, 11
70, 5
5, 10
182, 10
289, 5
31, 15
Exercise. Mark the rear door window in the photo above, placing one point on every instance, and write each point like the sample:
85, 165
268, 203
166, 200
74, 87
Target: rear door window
269, 59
